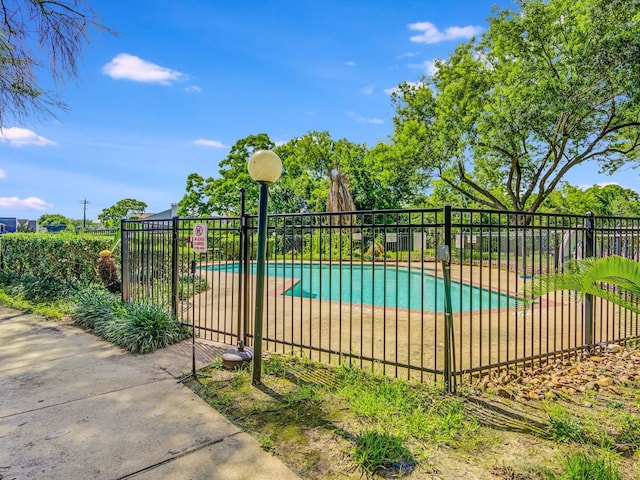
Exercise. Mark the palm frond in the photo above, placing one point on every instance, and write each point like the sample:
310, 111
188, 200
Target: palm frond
613, 278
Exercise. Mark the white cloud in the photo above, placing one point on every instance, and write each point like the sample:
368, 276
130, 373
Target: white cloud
361, 119
428, 67
367, 90
350, 63
33, 203
18, 137
209, 143
193, 89
130, 67
431, 34
3, 174
407, 55
600, 184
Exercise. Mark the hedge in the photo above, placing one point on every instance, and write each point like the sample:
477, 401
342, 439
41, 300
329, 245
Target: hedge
63, 256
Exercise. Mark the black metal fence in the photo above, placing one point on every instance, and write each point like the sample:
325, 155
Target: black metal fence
98, 231
368, 288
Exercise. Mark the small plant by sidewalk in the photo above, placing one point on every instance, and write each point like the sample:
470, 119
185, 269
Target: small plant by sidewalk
377, 451
138, 327
148, 327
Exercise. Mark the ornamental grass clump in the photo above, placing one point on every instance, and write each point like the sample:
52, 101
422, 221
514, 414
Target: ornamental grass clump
94, 307
149, 327
138, 327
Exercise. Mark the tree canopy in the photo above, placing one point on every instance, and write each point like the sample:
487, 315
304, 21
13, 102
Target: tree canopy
221, 196
37, 34
56, 221
546, 88
605, 201
314, 165
309, 162
124, 208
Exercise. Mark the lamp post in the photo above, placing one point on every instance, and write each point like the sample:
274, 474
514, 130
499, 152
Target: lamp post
265, 167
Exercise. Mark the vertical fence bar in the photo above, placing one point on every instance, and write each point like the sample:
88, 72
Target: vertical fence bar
125, 261
242, 304
445, 257
588, 298
175, 247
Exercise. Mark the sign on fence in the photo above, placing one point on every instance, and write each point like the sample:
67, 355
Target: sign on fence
200, 238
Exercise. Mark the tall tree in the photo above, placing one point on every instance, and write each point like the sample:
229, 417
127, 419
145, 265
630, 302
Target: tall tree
82, 223
225, 191
386, 178
221, 196
124, 208
378, 178
56, 222
609, 200
35, 34
304, 183
195, 202
339, 198
546, 88
308, 163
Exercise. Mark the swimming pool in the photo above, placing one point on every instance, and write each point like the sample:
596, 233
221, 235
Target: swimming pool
378, 285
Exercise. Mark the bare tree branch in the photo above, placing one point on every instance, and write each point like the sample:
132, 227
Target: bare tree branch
60, 30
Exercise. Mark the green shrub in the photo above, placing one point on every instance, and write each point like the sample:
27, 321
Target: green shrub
149, 327
61, 256
330, 245
94, 306
8, 278
44, 287
114, 329
138, 327
190, 285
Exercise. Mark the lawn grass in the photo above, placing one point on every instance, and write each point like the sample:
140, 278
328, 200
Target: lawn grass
328, 422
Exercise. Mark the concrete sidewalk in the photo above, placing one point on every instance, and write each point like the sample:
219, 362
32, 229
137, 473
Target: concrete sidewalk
75, 407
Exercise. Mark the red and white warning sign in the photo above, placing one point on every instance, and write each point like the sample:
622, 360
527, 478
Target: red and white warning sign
200, 238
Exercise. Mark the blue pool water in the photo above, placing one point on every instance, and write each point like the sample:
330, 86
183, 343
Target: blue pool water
379, 286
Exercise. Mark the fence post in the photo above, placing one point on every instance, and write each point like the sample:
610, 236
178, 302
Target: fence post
175, 247
589, 239
242, 307
444, 255
125, 262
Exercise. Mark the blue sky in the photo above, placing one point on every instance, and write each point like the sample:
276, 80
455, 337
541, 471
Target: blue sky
185, 80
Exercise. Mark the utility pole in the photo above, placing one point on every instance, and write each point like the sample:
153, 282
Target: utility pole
84, 202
